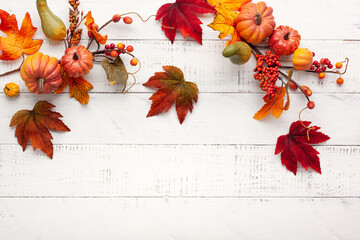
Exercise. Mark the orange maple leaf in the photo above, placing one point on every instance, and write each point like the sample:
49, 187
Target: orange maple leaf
78, 88
172, 88
17, 41
274, 105
33, 126
90, 26
224, 22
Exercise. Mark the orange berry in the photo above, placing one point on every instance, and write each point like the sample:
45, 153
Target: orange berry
114, 53
321, 75
292, 86
306, 90
116, 18
134, 62
339, 65
340, 81
121, 46
129, 48
128, 20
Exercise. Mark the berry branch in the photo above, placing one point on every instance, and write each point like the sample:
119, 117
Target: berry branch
15, 70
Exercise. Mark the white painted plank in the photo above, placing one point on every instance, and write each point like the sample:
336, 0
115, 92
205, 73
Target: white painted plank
216, 119
262, 219
173, 170
206, 67
313, 19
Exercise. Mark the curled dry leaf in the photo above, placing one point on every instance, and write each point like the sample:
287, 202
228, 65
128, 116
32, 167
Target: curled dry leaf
182, 15
116, 71
90, 26
274, 105
33, 126
172, 88
294, 147
17, 42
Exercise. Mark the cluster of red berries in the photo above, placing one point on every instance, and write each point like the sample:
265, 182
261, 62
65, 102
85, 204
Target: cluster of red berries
321, 66
120, 48
267, 75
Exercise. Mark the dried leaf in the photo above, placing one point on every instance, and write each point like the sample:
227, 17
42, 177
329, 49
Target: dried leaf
116, 72
172, 88
182, 15
33, 126
224, 22
274, 105
294, 147
90, 26
17, 41
234, 5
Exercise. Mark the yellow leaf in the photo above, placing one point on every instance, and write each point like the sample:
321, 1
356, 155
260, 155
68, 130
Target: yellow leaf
274, 105
234, 5
224, 22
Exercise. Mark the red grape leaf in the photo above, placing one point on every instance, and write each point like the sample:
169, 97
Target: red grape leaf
182, 15
33, 126
172, 88
294, 147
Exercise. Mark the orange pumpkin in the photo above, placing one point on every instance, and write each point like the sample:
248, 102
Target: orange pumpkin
77, 61
255, 22
302, 59
41, 73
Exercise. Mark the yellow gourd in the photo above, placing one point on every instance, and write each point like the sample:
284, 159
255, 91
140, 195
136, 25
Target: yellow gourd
11, 90
53, 27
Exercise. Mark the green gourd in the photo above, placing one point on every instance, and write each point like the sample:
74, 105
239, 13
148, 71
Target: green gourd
53, 27
238, 53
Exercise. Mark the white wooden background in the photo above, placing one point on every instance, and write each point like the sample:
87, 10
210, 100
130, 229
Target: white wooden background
118, 175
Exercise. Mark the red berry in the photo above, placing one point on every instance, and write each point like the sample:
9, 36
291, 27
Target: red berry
311, 105
114, 53
107, 53
128, 20
327, 61
318, 70
129, 48
292, 86
107, 46
315, 63
116, 18
312, 68
112, 45
323, 69
134, 62
90, 35
322, 61
313, 54
330, 66
340, 81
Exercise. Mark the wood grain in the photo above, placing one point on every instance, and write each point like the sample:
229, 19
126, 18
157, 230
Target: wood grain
164, 219
174, 171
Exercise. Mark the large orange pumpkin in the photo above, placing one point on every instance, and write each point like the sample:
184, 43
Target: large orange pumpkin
41, 73
77, 61
302, 59
255, 22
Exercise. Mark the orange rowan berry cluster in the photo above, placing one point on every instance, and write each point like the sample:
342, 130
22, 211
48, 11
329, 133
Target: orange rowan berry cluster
74, 33
267, 75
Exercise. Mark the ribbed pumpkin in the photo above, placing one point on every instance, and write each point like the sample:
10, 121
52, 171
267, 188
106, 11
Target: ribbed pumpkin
77, 61
11, 90
302, 59
284, 40
41, 73
255, 22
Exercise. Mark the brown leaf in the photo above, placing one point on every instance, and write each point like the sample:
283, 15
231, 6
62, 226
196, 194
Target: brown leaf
115, 72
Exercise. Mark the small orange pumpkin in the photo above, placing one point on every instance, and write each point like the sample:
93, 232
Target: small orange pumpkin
302, 59
255, 22
41, 73
11, 89
77, 61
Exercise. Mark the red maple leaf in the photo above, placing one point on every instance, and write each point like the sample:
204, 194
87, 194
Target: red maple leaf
172, 88
182, 15
294, 147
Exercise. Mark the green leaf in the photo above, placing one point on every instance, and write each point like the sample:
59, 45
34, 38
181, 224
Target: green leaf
116, 71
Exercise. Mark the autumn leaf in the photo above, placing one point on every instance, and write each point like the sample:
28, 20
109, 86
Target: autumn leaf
273, 105
182, 15
78, 88
224, 22
234, 5
17, 41
33, 126
294, 147
91, 28
172, 88
116, 71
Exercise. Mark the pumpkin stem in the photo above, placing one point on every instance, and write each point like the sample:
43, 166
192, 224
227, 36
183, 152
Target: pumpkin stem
76, 56
258, 19
41, 82
286, 36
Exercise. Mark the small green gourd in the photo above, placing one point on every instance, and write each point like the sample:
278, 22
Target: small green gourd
53, 27
238, 53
